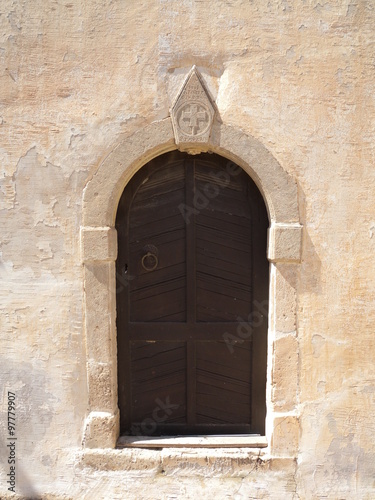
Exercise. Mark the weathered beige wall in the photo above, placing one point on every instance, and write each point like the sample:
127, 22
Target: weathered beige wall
78, 76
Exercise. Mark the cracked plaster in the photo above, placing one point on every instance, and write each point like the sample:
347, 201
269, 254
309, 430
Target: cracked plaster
76, 79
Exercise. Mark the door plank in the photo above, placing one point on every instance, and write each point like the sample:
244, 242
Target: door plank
158, 380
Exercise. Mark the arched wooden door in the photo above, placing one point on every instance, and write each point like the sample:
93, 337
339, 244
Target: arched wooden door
192, 289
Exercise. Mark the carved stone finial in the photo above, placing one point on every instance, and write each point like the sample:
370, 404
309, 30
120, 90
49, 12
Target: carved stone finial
192, 115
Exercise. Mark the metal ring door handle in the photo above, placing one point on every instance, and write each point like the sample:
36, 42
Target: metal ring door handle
150, 261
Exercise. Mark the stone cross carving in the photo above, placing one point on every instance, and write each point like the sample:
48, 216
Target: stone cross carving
192, 115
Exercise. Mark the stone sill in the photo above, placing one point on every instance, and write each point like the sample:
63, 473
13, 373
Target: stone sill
238, 441
184, 462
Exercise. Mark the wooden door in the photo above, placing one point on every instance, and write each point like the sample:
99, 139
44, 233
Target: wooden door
191, 265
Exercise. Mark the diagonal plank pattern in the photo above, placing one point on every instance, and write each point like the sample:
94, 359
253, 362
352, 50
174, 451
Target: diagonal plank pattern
194, 220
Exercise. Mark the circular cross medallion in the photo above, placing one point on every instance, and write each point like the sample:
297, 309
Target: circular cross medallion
193, 118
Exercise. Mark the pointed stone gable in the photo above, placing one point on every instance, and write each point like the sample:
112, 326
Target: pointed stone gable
192, 115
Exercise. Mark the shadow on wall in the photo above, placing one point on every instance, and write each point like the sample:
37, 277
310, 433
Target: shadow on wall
309, 273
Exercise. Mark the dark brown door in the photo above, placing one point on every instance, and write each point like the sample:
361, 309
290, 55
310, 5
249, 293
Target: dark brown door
192, 286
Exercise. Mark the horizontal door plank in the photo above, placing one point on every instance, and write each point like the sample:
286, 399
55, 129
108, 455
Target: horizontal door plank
224, 331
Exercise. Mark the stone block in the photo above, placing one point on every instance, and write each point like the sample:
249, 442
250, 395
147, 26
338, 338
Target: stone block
285, 437
102, 384
100, 301
101, 430
285, 373
284, 290
285, 243
98, 244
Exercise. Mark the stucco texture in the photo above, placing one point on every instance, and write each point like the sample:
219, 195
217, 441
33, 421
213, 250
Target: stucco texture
77, 78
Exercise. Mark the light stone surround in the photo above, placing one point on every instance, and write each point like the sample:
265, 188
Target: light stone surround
99, 251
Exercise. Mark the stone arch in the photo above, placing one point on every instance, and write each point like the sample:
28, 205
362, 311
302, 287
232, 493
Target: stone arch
103, 191
99, 249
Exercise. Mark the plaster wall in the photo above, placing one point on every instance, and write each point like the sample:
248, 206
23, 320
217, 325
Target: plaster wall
77, 79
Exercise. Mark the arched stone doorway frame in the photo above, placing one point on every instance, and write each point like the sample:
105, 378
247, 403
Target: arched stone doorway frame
99, 251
